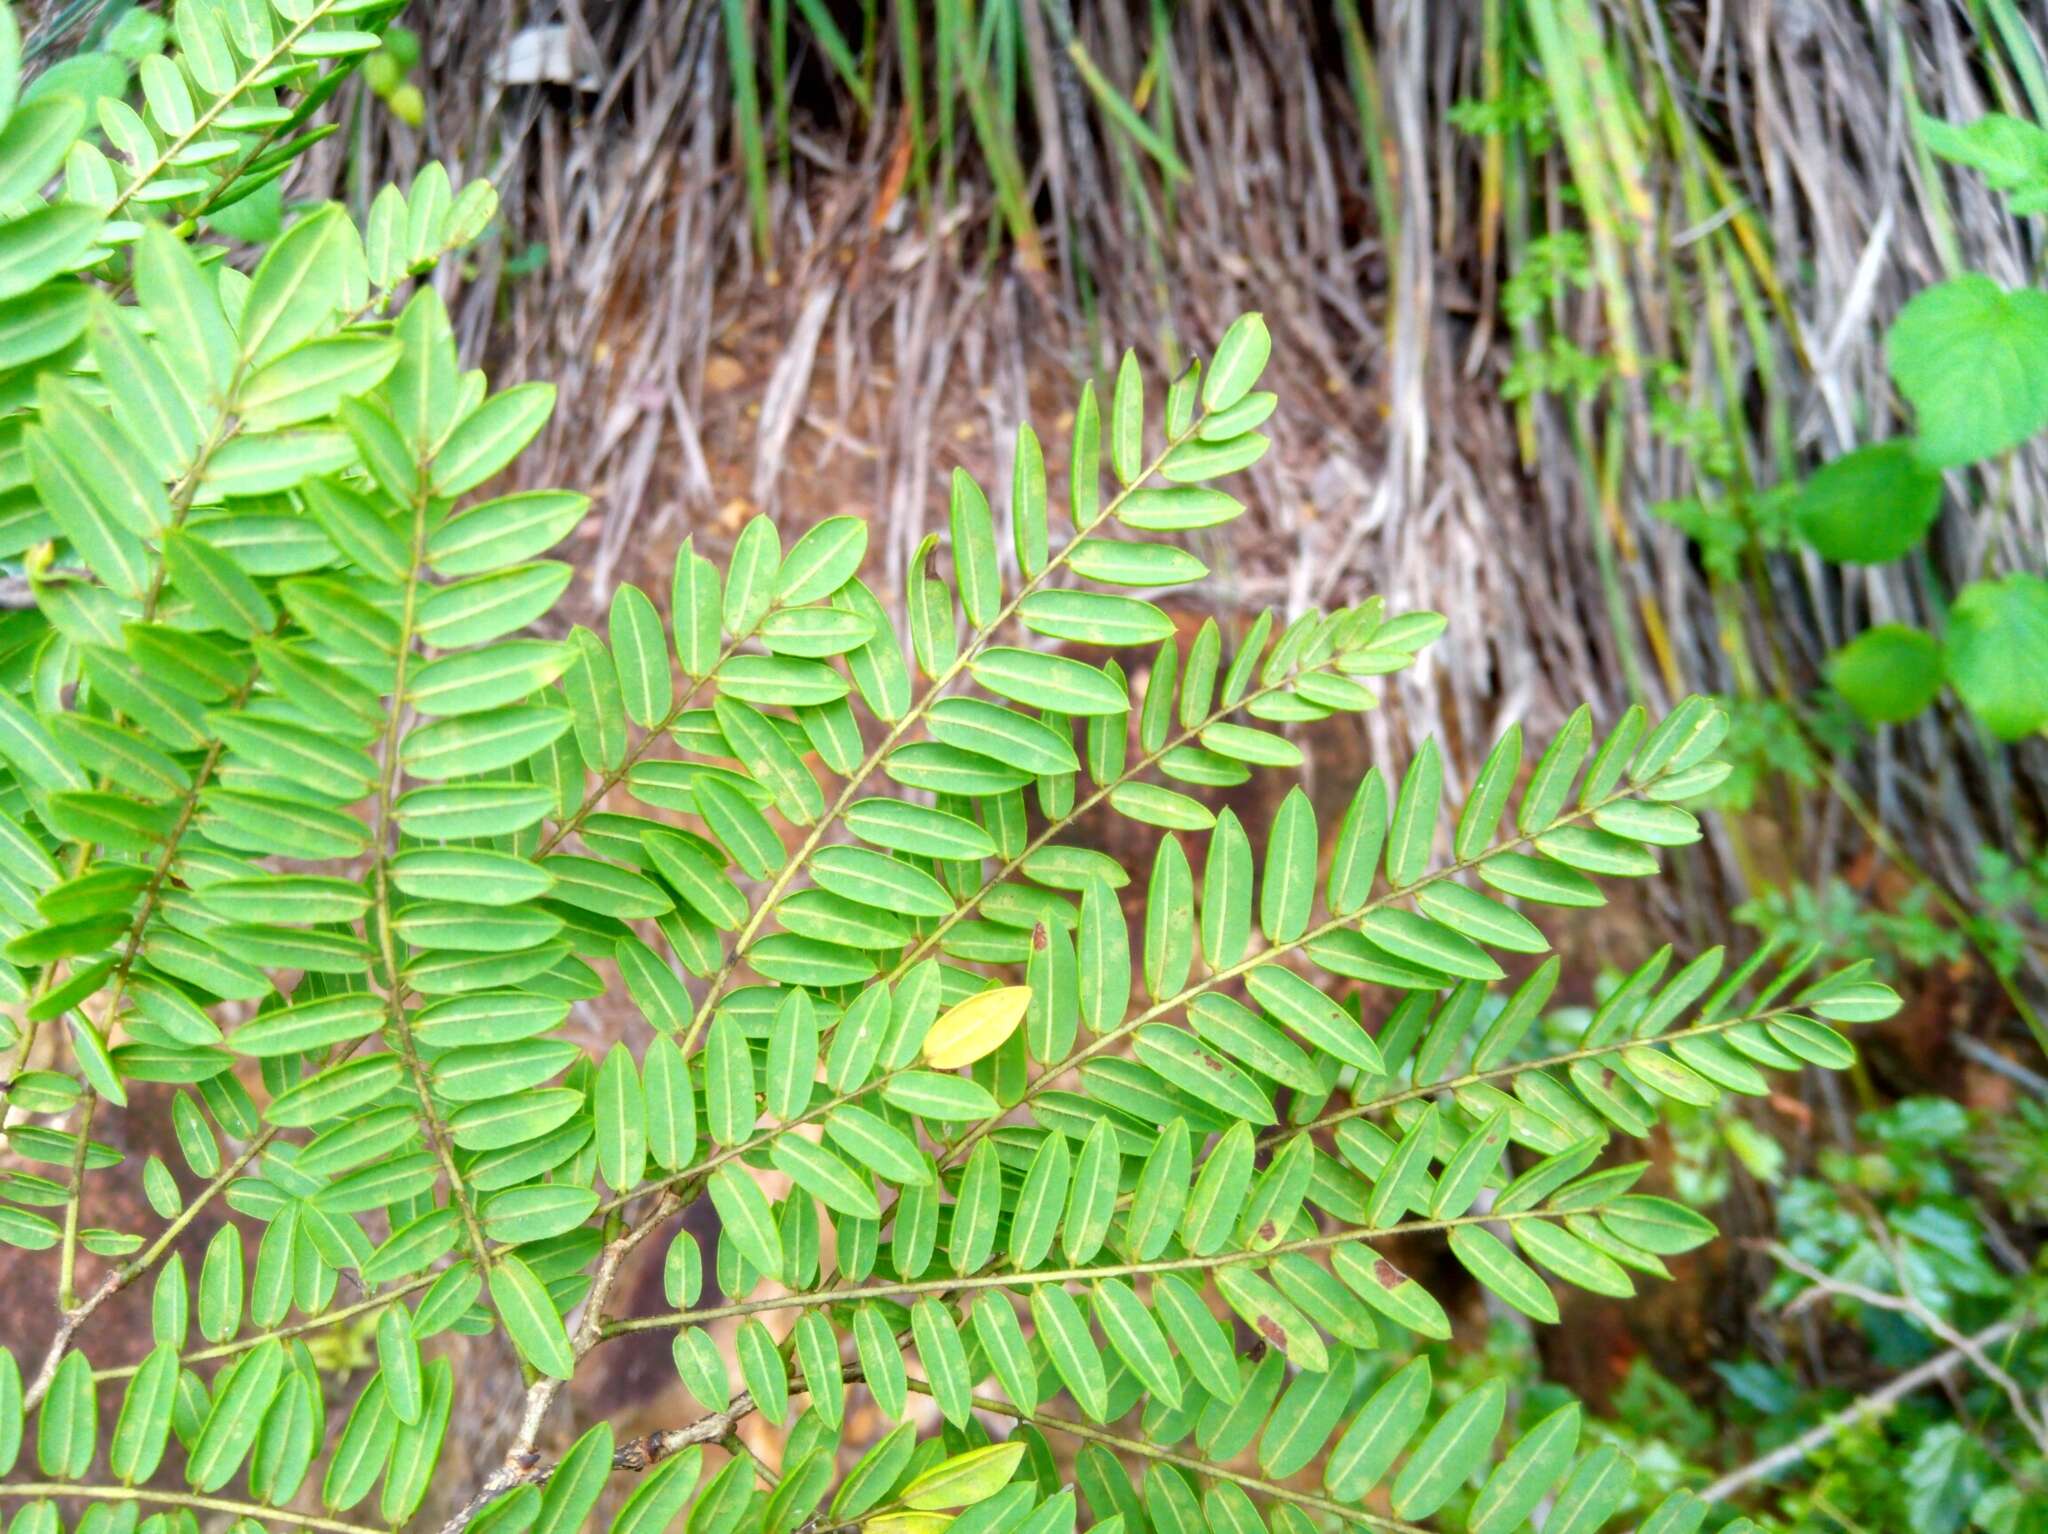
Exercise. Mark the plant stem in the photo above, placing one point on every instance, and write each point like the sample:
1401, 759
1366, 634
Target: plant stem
148, 1494
1863, 1409
857, 780
1106, 1041
955, 1283
1501, 1073
204, 120
382, 833
1201, 1467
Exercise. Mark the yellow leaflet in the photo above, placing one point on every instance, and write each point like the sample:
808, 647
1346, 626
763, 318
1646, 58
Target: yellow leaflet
975, 1027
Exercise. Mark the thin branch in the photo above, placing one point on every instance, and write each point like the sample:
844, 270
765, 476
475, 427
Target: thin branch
1104, 1042
255, 74
931, 941
857, 780
382, 838
120, 1278
637, 1454
149, 1494
1906, 1304
956, 1283
1504, 1072
225, 426
1876, 1404
1202, 1467
518, 1465
610, 779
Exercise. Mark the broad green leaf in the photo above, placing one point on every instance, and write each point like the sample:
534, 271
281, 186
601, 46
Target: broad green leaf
1124, 562
296, 288
1094, 617
67, 1424
1240, 358
144, 1424
41, 244
1305, 1417
1413, 828
762, 1368
1287, 886
1299, 1005
1028, 503
231, 1425
868, 1483
931, 1095
183, 307
1998, 643
1868, 506
1389, 1291
1055, 682
747, 1219
660, 1498
1137, 1339
824, 1176
751, 576
1127, 420
494, 534
1075, 1359
1486, 1257
640, 652
578, 1481
825, 558
974, 552
1971, 358
308, 382
224, 597
1594, 1492
944, 1357
1887, 674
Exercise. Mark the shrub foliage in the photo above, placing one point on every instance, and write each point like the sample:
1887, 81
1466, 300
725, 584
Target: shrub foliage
311, 843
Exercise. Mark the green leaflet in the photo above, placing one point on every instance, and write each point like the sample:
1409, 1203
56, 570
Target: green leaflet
67, 1424
1527, 1472
143, 1427
1449, 1452
1064, 1332
229, 1430
640, 650
1137, 1339
530, 1318
1055, 682
1487, 1259
662, 1496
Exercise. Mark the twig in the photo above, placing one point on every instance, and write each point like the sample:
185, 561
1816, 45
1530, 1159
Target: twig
651, 1448
520, 1465
1906, 1304
1983, 1054
635, 1454
1876, 1403
241, 1510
